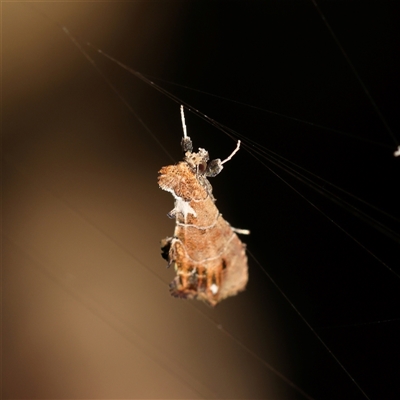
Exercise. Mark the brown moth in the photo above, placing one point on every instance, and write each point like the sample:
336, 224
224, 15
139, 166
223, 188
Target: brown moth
209, 259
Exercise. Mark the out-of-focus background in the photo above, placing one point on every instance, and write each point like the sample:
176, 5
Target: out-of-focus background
86, 311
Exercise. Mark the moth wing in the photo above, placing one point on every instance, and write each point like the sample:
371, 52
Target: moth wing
235, 274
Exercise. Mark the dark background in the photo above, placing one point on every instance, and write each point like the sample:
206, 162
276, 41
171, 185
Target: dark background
86, 309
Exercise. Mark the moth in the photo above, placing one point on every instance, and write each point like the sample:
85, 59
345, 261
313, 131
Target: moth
209, 258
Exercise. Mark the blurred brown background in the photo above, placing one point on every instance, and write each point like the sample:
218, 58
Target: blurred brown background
86, 307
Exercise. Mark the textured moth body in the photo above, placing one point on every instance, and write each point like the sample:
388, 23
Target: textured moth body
209, 259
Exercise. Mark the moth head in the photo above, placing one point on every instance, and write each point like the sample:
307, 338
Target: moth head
197, 161
200, 163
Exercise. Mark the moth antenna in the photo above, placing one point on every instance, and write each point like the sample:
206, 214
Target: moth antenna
183, 122
186, 142
233, 153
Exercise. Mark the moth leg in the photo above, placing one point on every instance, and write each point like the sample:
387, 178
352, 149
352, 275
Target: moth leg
201, 277
172, 214
175, 290
183, 278
241, 231
182, 286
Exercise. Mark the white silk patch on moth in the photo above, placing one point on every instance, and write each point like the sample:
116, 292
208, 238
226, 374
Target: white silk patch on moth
208, 257
183, 207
